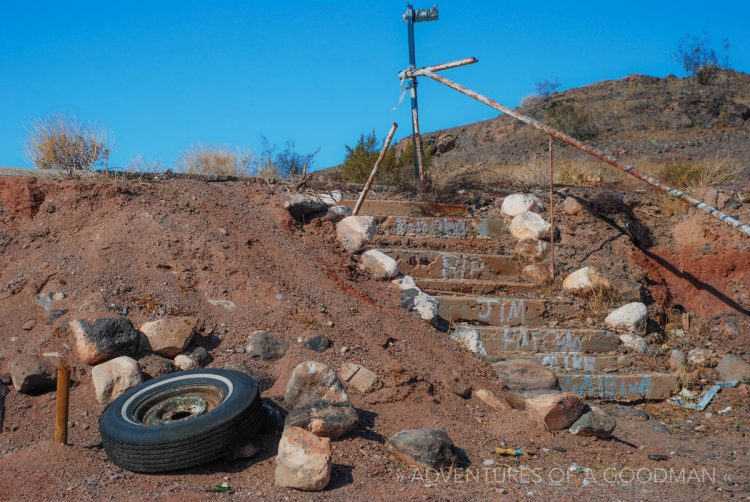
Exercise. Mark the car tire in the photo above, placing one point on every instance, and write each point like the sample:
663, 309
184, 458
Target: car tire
181, 420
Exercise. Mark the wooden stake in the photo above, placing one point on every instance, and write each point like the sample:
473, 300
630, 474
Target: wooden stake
62, 398
368, 185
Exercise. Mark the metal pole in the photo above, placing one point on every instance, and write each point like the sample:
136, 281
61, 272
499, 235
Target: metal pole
631, 170
416, 138
551, 210
62, 399
368, 184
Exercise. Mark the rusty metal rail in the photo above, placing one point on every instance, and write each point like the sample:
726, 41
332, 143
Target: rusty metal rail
594, 152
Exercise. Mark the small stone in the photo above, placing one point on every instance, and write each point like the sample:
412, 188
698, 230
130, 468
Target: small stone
184, 362
456, 384
555, 411
318, 343
488, 397
324, 419
529, 225
536, 272
631, 317
521, 374
265, 346
532, 250
114, 377
517, 203
733, 368
594, 422
354, 231
359, 377
331, 198
634, 342
303, 461
424, 448
107, 338
676, 360
28, 325
32, 374
226, 304
658, 426
171, 335
469, 338
426, 306
312, 381
153, 366
239, 349
699, 357
379, 265
302, 207
336, 213
405, 282
585, 282
244, 452
572, 206
200, 356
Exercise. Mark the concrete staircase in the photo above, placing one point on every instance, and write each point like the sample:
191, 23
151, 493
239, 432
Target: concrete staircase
468, 263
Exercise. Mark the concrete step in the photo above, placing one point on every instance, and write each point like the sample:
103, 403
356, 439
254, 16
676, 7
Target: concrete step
620, 387
442, 227
446, 265
407, 208
474, 287
468, 245
492, 310
546, 340
572, 361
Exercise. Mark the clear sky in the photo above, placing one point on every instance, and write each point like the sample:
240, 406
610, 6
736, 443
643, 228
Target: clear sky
164, 75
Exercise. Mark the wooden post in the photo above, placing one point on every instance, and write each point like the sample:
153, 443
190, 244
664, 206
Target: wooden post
368, 184
551, 210
62, 399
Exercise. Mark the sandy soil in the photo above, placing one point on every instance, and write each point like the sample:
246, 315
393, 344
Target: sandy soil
169, 247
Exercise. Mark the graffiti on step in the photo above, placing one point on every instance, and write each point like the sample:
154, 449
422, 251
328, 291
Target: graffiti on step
461, 267
500, 311
569, 362
532, 340
433, 227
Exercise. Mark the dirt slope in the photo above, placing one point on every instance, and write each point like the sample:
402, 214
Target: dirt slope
167, 248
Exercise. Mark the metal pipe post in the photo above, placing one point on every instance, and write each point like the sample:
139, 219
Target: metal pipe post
416, 138
62, 399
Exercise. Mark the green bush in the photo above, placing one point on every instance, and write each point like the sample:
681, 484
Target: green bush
397, 167
571, 121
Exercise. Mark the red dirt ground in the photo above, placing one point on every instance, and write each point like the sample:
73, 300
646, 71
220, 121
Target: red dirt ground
168, 247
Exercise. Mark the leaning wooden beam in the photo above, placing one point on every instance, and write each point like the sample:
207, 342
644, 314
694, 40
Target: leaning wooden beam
368, 185
631, 170
418, 72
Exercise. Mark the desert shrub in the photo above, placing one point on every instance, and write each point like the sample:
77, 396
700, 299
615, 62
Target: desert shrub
571, 121
530, 100
693, 176
696, 55
215, 160
138, 164
282, 161
65, 144
547, 87
397, 167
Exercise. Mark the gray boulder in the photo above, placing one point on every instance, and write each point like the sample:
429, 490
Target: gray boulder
594, 422
105, 339
33, 374
265, 346
426, 448
324, 419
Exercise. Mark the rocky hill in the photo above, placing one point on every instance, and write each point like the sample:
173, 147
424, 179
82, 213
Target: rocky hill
653, 122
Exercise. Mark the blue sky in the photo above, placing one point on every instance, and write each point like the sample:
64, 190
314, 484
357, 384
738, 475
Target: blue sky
164, 75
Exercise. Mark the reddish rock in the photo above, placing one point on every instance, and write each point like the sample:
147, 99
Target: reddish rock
303, 461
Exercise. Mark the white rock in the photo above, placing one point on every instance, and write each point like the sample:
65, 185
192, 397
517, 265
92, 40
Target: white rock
354, 231
585, 281
405, 282
114, 377
631, 317
634, 342
528, 225
331, 198
379, 265
517, 203
531, 250
426, 306
303, 461
469, 338
184, 362
699, 357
